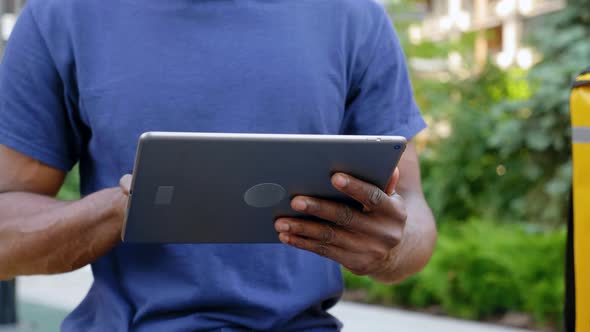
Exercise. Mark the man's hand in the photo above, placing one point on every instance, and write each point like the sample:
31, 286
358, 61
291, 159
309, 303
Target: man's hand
42, 235
362, 241
389, 239
50, 236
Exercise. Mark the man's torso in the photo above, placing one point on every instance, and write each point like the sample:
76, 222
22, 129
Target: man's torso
260, 66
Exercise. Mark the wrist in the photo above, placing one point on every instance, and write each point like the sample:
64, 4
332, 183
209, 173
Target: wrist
393, 270
390, 273
106, 206
114, 205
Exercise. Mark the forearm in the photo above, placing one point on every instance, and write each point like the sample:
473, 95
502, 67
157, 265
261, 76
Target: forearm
24, 204
42, 235
416, 246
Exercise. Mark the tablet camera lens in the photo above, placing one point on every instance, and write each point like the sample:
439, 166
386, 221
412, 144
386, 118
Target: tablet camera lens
397, 147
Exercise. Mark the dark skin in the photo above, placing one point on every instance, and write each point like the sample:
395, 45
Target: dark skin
391, 239
393, 236
42, 235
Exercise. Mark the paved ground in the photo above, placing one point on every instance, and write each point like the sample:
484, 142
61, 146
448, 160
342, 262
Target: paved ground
45, 300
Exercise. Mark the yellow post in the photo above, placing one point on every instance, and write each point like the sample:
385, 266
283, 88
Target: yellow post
580, 114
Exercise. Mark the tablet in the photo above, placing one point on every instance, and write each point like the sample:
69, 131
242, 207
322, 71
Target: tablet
230, 188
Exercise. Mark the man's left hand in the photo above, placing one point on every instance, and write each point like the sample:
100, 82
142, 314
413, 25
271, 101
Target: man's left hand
363, 241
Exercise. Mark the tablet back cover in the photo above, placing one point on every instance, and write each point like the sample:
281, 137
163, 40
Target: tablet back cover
191, 188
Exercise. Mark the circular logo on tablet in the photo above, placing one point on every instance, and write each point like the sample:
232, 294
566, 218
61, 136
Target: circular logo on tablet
265, 195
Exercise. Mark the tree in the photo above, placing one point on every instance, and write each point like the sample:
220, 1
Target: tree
508, 154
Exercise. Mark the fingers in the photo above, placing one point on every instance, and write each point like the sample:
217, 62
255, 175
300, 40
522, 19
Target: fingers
364, 262
367, 194
343, 256
351, 220
362, 241
393, 209
380, 226
125, 184
320, 232
340, 214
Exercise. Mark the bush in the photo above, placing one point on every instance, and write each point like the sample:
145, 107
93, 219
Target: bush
482, 270
463, 173
508, 153
71, 187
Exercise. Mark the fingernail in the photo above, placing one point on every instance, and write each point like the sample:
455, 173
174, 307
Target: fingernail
282, 227
299, 204
340, 180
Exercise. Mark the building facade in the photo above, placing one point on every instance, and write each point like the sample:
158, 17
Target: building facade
499, 24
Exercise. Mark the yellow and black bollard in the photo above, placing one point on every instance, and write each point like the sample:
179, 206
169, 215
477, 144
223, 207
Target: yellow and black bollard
580, 114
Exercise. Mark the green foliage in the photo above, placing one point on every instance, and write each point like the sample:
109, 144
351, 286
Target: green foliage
464, 173
481, 270
71, 188
508, 155
541, 148
404, 13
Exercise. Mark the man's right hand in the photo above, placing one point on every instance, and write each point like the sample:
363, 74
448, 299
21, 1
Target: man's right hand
42, 235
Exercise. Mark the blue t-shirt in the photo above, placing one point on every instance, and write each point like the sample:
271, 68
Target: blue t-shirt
82, 79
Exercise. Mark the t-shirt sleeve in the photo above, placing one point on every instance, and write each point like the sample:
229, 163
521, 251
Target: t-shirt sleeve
380, 100
33, 102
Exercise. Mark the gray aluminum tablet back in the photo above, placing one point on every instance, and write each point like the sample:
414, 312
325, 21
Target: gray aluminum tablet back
229, 188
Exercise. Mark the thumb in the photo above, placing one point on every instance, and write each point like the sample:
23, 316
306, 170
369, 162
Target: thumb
125, 184
392, 184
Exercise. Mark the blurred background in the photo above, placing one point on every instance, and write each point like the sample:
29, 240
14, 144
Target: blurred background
492, 78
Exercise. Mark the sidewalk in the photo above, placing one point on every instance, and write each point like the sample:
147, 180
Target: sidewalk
44, 301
